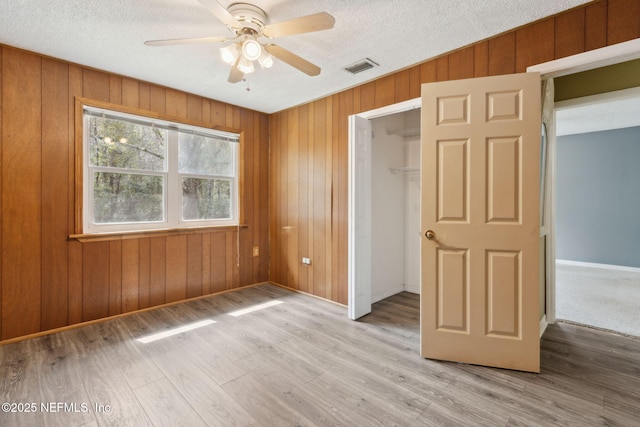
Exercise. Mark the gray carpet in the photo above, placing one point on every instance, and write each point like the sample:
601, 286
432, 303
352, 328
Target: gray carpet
599, 297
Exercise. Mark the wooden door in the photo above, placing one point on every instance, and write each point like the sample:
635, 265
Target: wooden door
480, 203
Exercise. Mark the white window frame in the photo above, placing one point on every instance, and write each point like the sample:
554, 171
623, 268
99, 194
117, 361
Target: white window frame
172, 188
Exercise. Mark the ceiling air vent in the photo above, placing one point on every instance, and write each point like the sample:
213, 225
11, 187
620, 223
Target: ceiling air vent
360, 66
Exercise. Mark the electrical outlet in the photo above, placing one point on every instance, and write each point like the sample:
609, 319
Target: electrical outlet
256, 251
306, 261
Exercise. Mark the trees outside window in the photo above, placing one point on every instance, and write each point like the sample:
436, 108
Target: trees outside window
142, 174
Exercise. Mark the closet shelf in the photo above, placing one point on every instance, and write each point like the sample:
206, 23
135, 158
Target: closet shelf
406, 133
404, 169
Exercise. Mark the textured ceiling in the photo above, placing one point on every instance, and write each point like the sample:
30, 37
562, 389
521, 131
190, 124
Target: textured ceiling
109, 35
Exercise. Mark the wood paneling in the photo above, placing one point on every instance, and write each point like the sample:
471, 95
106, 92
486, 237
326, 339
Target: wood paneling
115, 277
402, 86
461, 64
428, 71
321, 225
569, 33
1, 133
481, 59
130, 93
176, 265
21, 192
75, 285
144, 273
130, 265
303, 197
535, 44
595, 25
49, 281
623, 21
442, 68
194, 265
55, 193
502, 54
385, 91
95, 280
157, 271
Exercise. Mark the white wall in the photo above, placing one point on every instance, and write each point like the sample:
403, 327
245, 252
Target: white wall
395, 208
387, 209
597, 197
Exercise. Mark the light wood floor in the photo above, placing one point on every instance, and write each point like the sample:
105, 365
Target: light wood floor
304, 363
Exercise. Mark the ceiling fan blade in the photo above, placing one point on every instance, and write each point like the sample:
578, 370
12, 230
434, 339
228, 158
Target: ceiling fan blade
235, 75
221, 13
170, 42
293, 59
305, 24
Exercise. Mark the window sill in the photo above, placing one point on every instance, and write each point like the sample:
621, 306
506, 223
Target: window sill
97, 237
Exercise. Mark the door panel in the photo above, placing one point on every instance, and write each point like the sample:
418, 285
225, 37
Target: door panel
453, 290
503, 200
480, 198
452, 183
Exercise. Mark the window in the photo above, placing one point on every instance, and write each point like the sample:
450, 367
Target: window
142, 173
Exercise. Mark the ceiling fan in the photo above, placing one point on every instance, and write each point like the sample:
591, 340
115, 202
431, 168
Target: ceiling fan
249, 23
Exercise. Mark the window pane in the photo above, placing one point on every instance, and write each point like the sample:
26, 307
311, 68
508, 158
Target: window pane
121, 144
120, 197
200, 155
206, 198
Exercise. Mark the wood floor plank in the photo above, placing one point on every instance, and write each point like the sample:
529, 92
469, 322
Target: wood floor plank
58, 379
263, 404
165, 406
19, 385
136, 368
107, 388
208, 399
212, 361
325, 405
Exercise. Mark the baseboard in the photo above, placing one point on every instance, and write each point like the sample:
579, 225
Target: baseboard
306, 293
412, 289
543, 325
386, 293
595, 265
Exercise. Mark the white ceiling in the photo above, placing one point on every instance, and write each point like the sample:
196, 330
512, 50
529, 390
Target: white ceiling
109, 35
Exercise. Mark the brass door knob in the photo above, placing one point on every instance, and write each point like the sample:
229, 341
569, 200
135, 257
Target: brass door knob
429, 234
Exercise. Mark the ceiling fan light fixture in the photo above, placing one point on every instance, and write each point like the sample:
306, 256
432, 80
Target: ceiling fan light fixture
251, 49
265, 60
245, 65
229, 54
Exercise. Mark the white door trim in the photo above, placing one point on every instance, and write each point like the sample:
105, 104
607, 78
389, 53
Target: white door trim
351, 263
400, 107
597, 58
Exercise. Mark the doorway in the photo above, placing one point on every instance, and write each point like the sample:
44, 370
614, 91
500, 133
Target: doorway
597, 206
591, 60
395, 204
384, 211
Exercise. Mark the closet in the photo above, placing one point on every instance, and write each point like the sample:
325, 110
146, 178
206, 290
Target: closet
395, 182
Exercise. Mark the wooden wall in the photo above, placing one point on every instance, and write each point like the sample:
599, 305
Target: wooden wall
49, 281
308, 210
